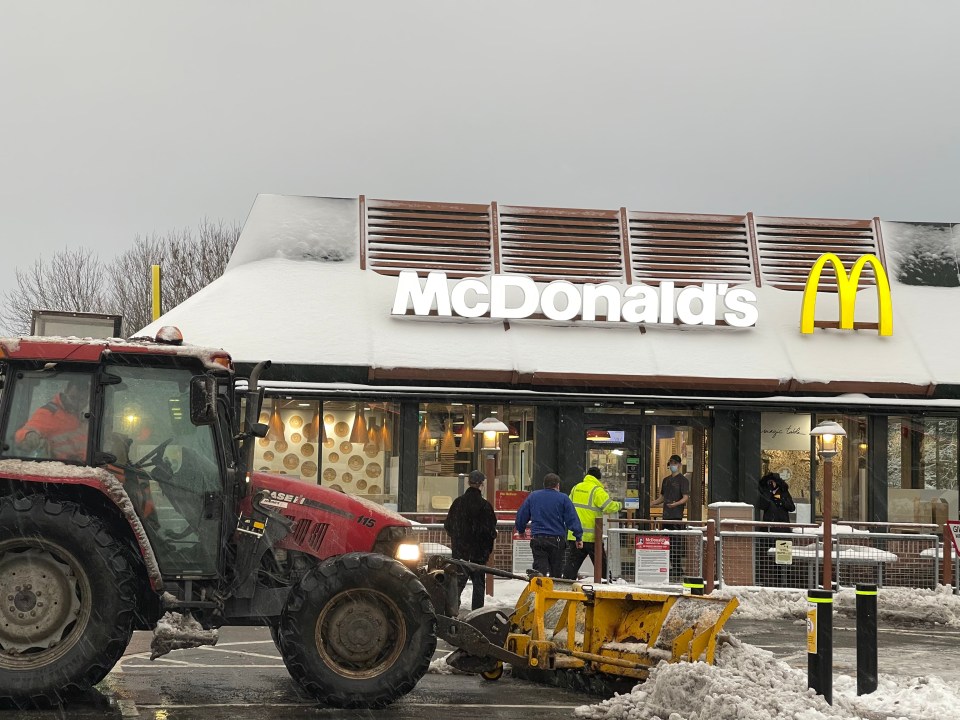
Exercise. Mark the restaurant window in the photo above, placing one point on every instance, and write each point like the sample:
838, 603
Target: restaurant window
345, 445
922, 469
785, 450
448, 449
851, 480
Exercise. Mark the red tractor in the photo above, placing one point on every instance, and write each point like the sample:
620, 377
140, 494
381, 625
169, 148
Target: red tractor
126, 492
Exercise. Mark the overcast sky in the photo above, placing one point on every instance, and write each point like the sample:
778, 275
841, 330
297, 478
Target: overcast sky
124, 118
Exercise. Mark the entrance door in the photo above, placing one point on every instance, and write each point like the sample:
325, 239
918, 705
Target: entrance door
632, 453
674, 436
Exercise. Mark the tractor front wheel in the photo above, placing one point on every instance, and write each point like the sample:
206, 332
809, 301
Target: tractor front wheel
359, 631
68, 600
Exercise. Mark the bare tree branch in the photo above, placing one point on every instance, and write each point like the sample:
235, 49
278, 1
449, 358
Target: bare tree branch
77, 281
73, 281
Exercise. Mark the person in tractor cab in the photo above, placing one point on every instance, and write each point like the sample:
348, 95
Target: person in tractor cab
58, 429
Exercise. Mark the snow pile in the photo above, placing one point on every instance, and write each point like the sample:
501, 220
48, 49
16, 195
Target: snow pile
897, 605
177, 632
747, 683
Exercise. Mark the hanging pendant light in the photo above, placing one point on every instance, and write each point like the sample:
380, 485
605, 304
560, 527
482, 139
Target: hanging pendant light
359, 433
313, 434
275, 429
373, 436
466, 440
448, 444
386, 439
424, 439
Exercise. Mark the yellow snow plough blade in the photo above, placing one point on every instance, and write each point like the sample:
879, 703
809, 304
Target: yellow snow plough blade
613, 630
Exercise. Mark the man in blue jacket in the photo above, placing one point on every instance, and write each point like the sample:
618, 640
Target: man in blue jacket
551, 514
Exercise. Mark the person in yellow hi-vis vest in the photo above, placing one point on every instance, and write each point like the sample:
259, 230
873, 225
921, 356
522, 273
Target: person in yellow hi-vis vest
591, 501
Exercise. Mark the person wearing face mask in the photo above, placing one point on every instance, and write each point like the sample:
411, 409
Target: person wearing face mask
674, 493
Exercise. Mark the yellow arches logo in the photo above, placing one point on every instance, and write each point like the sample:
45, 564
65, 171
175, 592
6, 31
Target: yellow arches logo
847, 293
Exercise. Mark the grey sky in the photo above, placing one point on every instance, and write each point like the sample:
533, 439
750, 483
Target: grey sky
119, 118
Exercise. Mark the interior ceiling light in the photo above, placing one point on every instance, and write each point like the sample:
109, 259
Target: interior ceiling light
359, 433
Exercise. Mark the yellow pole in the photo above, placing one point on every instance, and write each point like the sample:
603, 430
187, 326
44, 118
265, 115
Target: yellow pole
156, 291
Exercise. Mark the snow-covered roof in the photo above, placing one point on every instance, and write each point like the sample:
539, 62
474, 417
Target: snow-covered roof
294, 292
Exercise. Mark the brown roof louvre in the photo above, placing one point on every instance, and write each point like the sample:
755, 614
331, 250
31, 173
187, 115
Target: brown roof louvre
689, 248
561, 243
587, 246
448, 237
789, 247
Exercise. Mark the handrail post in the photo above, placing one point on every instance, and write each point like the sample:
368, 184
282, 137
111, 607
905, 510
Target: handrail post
709, 558
947, 559
598, 549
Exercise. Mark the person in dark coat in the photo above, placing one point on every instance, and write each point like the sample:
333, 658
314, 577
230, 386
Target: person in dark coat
775, 503
472, 526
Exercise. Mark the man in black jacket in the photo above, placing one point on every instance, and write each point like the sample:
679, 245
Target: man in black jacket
472, 526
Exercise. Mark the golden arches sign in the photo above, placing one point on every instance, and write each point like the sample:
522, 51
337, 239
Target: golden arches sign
847, 293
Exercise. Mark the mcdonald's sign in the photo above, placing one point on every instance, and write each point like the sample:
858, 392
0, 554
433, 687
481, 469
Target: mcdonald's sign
847, 293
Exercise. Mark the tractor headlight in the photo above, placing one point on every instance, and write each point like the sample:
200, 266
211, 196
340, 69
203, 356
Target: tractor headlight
408, 552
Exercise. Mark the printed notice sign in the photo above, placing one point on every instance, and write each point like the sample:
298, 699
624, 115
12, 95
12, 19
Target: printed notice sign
954, 526
522, 554
652, 560
784, 552
812, 629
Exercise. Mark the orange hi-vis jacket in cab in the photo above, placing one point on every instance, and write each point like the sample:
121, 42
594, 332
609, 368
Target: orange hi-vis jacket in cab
66, 436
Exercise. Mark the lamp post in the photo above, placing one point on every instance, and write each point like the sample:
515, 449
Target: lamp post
490, 428
826, 434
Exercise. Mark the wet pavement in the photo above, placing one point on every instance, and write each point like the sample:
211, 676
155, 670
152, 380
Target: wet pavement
243, 678
913, 651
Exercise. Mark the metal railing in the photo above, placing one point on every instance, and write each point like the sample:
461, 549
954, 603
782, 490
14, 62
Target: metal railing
646, 553
774, 555
745, 553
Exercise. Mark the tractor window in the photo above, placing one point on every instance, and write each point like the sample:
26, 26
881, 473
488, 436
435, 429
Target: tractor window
167, 464
49, 416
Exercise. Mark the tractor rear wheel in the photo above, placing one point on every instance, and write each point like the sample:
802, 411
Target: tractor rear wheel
359, 631
67, 600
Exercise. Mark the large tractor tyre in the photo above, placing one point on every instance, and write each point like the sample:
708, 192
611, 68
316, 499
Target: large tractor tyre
67, 600
359, 631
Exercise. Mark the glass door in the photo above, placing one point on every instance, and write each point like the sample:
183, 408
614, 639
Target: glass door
688, 440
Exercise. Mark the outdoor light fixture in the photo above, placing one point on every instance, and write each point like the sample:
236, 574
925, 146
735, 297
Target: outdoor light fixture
826, 434
491, 427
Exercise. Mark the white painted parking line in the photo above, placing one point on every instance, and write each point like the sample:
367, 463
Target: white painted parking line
246, 653
181, 665
400, 704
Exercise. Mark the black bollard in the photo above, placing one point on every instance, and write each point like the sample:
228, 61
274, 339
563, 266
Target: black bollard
820, 643
866, 639
693, 585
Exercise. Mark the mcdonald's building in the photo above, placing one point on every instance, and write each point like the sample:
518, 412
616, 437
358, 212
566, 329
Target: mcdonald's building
597, 337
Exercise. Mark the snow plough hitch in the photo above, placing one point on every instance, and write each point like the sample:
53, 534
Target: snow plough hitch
593, 637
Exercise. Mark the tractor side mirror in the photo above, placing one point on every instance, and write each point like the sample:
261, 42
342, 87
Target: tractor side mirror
259, 430
203, 400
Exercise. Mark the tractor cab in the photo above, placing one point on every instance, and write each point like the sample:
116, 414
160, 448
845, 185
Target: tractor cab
159, 422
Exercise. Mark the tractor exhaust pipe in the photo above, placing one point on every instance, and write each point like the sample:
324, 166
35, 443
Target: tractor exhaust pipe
254, 397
